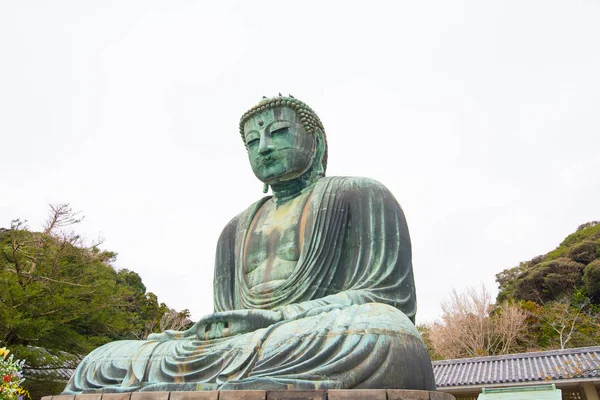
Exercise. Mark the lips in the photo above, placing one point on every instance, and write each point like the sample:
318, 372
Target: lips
266, 161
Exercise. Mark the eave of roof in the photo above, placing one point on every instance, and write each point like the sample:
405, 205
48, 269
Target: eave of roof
550, 366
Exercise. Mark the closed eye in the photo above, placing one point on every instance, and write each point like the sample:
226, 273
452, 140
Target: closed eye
280, 131
252, 142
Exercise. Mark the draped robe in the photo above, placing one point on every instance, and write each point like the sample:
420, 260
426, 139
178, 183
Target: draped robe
348, 311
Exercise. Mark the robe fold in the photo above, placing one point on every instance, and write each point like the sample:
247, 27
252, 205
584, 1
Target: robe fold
348, 308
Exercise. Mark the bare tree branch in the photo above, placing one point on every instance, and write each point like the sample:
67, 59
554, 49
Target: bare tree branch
61, 215
473, 326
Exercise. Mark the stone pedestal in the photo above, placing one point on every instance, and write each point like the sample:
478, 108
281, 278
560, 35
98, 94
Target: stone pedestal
350, 394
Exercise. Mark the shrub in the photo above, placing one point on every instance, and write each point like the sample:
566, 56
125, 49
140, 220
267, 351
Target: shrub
549, 280
591, 280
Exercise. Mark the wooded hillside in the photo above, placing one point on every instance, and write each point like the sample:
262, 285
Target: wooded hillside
549, 302
561, 292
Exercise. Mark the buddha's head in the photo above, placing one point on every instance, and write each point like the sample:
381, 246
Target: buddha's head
285, 141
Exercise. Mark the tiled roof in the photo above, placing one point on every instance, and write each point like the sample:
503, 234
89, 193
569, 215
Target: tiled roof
539, 366
54, 367
52, 374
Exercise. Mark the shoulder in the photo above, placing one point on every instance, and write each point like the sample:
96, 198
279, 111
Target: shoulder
232, 225
357, 185
370, 199
363, 193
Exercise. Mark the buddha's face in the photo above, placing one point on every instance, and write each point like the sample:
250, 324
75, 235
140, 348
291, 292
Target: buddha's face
279, 148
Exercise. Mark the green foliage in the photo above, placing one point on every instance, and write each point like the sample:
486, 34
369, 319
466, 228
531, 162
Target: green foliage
425, 331
47, 359
62, 295
585, 252
560, 324
591, 280
589, 231
560, 291
46, 378
559, 273
39, 388
548, 280
558, 294
507, 280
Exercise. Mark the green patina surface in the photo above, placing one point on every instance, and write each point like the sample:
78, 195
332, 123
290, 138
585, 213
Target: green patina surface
313, 286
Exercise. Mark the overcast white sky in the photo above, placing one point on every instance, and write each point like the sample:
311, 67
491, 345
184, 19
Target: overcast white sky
481, 117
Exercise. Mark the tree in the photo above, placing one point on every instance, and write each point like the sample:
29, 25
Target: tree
559, 273
562, 317
62, 294
175, 320
425, 331
567, 322
473, 326
560, 291
591, 280
549, 280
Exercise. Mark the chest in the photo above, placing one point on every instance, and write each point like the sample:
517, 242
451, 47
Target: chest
275, 234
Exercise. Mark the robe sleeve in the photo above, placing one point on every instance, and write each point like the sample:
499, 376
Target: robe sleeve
224, 274
374, 261
226, 296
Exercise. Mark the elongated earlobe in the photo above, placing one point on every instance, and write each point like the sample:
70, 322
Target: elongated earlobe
265, 188
319, 169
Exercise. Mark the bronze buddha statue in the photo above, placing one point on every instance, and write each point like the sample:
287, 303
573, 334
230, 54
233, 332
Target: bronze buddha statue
313, 286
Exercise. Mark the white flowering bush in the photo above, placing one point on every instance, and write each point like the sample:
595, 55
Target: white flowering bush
11, 371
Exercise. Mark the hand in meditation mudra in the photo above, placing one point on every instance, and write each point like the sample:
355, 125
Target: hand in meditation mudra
313, 286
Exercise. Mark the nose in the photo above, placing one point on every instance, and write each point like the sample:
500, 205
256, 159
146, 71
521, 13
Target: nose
265, 146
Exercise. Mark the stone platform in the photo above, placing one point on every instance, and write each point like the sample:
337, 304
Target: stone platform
356, 394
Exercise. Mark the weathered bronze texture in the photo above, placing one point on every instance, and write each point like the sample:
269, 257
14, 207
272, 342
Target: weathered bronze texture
313, 286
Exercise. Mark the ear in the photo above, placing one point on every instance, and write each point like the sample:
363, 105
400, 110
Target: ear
318, 168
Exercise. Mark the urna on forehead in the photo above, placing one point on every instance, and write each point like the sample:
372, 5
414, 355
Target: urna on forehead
265, 117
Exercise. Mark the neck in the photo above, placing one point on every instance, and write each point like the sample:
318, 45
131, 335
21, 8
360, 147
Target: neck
285, 191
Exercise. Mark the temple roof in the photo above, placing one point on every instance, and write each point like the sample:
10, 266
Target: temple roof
568, 364
58, 366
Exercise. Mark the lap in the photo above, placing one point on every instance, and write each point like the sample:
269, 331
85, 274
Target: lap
370, 318
322, 347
